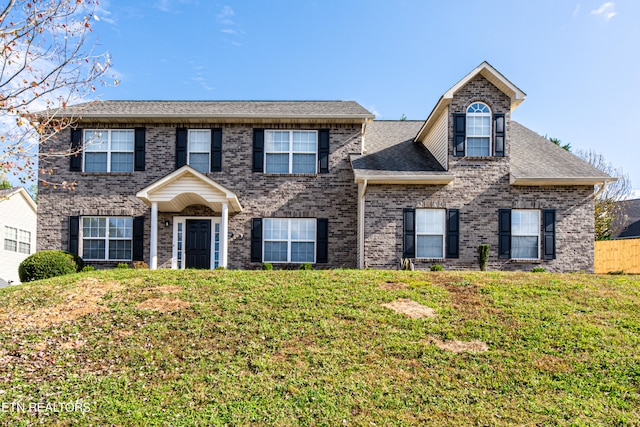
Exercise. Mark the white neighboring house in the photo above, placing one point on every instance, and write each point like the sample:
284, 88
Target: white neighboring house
18, 219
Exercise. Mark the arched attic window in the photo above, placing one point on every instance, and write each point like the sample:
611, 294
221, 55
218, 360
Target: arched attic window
478, 130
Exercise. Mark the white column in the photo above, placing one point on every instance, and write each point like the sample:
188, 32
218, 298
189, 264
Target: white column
224, 235
153, 240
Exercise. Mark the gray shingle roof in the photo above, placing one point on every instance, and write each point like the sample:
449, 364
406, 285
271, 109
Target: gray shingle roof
257, 109
390, 149
628, 221
533, 156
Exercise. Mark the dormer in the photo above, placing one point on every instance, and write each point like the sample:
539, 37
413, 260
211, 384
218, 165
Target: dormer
471, 119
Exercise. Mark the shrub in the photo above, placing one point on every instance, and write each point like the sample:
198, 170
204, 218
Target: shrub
123, 265
45, 264
140, 264
79, 262
483, 256
538, 270
267, 266
436, 267
306, 266
617, 272
88, 268
220, 268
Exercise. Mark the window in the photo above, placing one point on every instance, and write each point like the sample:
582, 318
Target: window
17, 240
289, 240
107, 238
478, 130
290, 151
430, 226
199, 152
525, 234
108, 150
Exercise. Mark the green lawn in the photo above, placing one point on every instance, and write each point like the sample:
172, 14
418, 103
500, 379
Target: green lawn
187, 348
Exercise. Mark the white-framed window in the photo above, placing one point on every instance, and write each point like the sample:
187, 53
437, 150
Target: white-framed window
289, 240
525, 234
107, 238
199, 149
108, 150
478, 130
17, 240
430, 227
291, 152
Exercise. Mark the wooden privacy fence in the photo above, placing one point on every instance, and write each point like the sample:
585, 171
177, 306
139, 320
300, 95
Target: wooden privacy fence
617, 255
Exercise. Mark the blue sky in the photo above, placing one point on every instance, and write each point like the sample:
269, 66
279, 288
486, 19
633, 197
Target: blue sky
578, 61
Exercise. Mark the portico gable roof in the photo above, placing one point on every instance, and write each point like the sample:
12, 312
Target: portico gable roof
186, 186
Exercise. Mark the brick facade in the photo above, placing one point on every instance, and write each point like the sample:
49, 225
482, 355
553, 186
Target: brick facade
480, 188
331, 195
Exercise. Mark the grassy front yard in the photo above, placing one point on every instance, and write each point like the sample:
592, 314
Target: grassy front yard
135, 347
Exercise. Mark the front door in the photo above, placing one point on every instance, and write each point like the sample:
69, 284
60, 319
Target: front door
198, 244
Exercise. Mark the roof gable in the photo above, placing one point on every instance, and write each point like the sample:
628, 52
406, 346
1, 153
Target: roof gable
186, 186
488, 72
7, 193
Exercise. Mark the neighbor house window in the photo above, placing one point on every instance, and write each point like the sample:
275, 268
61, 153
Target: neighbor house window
289, 240
525, 234
107, 238
430, 226
108, 150
17, 240
478, 130
199, 153
291, 152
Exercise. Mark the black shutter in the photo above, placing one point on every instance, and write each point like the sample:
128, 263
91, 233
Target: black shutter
453, 233
181, 147
216, 150
322, 240
74, 234
499, 131
323, 151
76, 150
504, 233
409, 233
256, 240
459, 133
258, 150
138, 238
139, 156
549, 233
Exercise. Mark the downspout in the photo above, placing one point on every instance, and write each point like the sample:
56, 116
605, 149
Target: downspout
601, 189
362, 191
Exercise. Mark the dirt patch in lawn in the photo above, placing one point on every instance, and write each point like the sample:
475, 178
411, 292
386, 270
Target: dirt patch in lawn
410, 308
456, 346
163, 305
393, 286
169, 289
80, 301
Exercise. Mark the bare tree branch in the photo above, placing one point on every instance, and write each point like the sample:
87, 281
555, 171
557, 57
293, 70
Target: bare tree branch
47, 62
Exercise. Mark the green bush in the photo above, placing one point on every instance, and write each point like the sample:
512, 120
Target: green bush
436, 267
306, 266
88, 268
483, 256
45, 264
267, 266
123, 265
220, 268
538, 270
79, 262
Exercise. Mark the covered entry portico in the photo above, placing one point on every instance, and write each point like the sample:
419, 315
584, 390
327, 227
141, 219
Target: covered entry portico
173, 193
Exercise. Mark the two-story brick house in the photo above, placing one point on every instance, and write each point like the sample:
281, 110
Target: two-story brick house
201, 184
